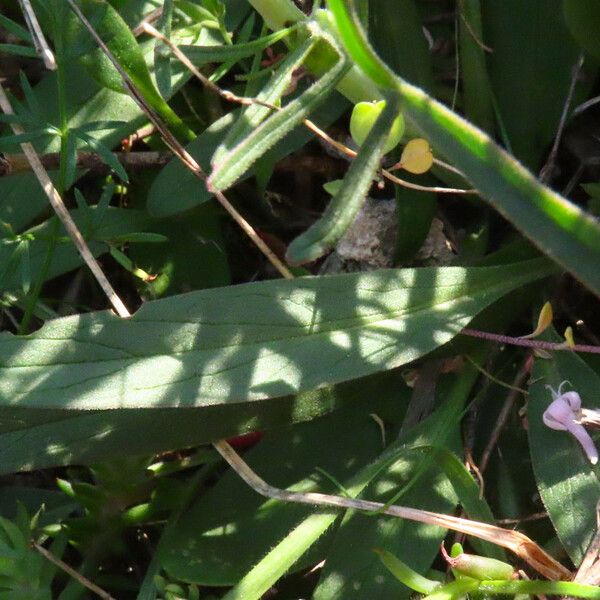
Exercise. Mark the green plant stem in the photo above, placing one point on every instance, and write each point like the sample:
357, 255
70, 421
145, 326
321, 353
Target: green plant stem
60, 186
277, 14
555, 588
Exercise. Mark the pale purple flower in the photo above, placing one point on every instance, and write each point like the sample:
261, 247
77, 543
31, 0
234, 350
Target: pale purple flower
565, 414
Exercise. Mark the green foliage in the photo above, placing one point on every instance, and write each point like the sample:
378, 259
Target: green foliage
353, 382
24, 573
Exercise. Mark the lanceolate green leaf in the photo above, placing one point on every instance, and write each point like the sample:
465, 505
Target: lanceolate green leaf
95, 227
201, 55
559, 228
342, 209
121, 42
281, 558
253, 115
339, 444
250, 342
34, 439
477, 94
568, 484
240, 158
176, 189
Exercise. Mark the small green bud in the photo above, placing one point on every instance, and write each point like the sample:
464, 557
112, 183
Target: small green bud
478, 567
363, 118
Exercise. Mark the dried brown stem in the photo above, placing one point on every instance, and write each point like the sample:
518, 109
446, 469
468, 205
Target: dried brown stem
37, 35
63, 214
17, 163
472, 32
231, 97
72, 572
505, 411
514, 541
526, 343
184, 156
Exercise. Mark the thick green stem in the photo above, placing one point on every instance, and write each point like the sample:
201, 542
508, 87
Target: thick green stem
277, 14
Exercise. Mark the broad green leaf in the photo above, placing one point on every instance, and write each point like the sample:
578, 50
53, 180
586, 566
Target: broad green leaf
201, 55
476, 90
285, 554
194, 258
252, 116
582, 18
240, 158
398, 37
121, 42
346, 203
230, 528
559, 228
568, 484
521, 73
115, 222
46, 438
420, 483
176, 189
293, 336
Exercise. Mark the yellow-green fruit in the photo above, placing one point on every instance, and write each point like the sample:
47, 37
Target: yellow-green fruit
363, 118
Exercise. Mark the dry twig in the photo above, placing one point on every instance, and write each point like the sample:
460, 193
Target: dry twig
245, 101
175, 146
63, 214
72, 572
514, 541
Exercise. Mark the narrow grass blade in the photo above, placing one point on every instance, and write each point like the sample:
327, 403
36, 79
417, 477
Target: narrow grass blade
240, 158
201, 55
253, 115
477, 93
346, 203
559, 228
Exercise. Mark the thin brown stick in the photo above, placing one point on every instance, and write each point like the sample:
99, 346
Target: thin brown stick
546, 172
63, 214
245, 101
472, 32
514, 541
151, 17
533, 517
17, 163
37, 35
72, 572
520, 378
426, 188
174, 145
495, 379
519, 341
226, 94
